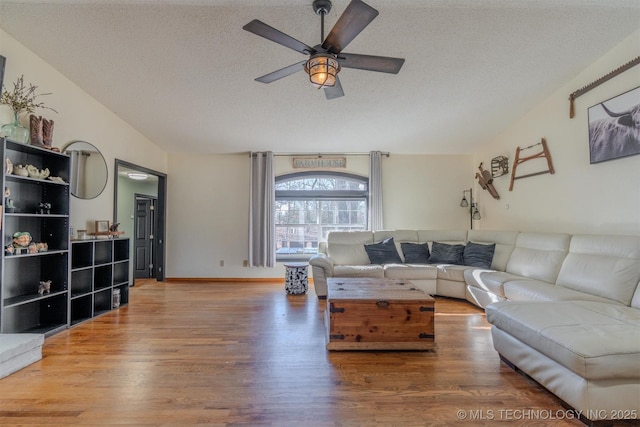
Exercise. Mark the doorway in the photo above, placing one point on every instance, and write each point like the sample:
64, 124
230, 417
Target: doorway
139, 188
144, 234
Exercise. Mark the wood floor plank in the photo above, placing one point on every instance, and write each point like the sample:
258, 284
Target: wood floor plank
247, 354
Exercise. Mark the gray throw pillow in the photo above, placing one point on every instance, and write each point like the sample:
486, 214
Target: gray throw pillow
415, 253
477, 255
384, 252
443, 253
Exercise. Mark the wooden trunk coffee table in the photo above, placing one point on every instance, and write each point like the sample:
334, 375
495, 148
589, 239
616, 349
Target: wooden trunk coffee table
378, 314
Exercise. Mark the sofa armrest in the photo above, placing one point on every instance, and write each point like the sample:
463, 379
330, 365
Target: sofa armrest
321, 267
323, 261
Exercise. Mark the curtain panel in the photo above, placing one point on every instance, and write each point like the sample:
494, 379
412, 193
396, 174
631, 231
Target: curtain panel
376, 221
78, 172
262, 248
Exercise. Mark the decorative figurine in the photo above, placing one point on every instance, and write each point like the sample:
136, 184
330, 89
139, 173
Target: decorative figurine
8, 203
20, 170
21, 239
36, 173
114, 227
44, 208
45, 287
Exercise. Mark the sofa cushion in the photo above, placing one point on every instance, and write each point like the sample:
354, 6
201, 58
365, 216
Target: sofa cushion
383, 252
399, 236
606, 266
415, 253
454, 273
443, 253
535, 290
589, 338
505, 242
370, 270
488, 280
478, 255
538, 255
411, 271
347, 247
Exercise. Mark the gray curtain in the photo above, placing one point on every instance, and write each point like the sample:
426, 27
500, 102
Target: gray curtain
262, 229
78, 172
375, 191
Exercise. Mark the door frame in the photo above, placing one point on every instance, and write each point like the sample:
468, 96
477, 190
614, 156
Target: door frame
159, 247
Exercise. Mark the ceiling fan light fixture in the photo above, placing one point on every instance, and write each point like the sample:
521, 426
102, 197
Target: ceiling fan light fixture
322, 69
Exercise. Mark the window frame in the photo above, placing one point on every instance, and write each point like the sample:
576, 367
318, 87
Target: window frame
319, 196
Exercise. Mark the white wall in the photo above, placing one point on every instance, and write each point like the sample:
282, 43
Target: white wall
208, 213
424, 191
79, 117
579, 197
209, 203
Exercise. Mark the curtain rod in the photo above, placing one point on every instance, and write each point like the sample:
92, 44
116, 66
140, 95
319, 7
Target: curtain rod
386, 154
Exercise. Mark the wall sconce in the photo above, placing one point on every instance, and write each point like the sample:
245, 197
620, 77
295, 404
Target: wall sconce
474, 213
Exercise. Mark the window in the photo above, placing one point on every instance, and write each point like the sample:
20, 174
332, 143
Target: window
311, 204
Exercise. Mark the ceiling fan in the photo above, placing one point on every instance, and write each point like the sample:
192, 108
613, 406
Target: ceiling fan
326, 59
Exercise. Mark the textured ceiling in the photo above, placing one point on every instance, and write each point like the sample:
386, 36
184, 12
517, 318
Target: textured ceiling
182, 72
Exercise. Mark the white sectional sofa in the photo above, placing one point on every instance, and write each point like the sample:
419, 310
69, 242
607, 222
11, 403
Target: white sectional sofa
564, 309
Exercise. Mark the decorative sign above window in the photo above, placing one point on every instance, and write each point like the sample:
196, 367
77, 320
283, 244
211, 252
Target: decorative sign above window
319, 162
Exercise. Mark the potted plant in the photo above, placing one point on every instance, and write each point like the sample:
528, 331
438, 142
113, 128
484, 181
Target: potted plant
21, 100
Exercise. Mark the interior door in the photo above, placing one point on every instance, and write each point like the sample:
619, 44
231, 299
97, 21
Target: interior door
143, 242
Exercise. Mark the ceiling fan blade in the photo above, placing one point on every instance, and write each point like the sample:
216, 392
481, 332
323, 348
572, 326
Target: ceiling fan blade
382, 64
334, 91
268, 32
352, 21
283, 72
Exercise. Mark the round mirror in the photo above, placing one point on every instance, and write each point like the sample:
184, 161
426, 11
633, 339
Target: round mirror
88, 170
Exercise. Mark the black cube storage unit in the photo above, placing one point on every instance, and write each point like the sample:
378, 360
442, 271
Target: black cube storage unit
98, 268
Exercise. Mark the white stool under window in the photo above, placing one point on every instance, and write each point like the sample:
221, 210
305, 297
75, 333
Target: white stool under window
296, 280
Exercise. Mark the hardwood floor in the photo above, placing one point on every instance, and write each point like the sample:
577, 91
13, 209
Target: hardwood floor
243, 354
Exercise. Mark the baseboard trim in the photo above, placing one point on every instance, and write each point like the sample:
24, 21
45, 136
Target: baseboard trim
225, 279
229, 279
